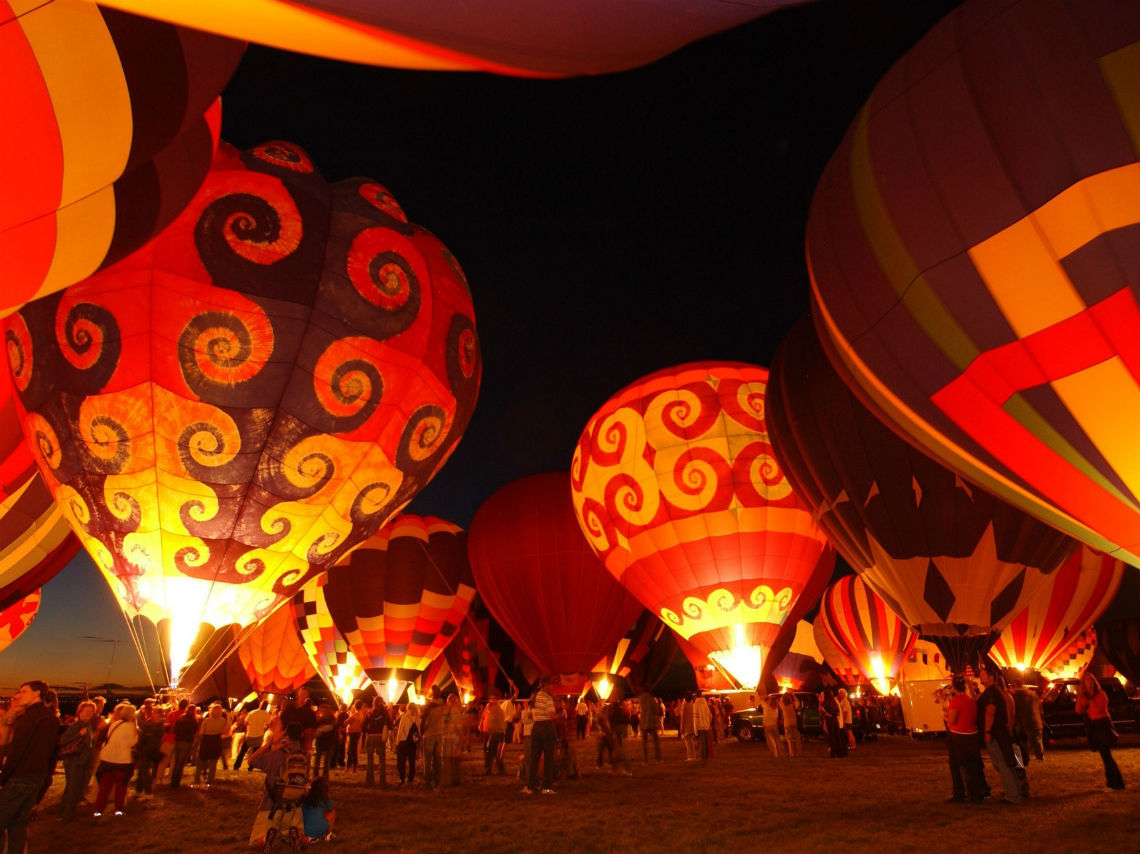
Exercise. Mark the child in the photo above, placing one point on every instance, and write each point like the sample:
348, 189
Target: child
319, 812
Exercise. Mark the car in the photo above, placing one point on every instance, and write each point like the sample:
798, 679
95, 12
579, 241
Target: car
748, 724
1059, 714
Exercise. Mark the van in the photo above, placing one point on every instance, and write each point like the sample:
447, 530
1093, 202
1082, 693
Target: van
922, 706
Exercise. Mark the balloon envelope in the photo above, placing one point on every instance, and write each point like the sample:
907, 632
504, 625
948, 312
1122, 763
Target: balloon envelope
15, 618
869, 634
273, 656
110, 123
503, 36
538, 576
225, 413
677, 490
973, 247
401, 597
952, 561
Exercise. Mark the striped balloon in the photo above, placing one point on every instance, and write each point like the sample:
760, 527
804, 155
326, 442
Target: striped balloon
110, 123
833, 656
17, 617
273, 656
326, 647
870, 634
35, 540
400, 597
1070, 601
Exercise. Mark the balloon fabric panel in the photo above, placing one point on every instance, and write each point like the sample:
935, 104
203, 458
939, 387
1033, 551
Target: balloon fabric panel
973, 248
540, 579
273, 656
212, 412
118, 120
325, 646
950, 559
15, 618
859, 623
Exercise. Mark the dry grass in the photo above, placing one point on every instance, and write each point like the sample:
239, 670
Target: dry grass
887, 796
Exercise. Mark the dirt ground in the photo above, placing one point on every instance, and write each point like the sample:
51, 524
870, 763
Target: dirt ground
886, 796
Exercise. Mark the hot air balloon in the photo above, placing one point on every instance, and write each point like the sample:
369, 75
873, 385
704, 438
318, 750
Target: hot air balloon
484, 659
110, 123
955, 563
540, 579
400, 598
273, 656
225, 413
1118, 628
972, 247
15, 618
35, 540
795, 628
501, 36
325, 646
835, 658
676, 489
1067, 604
1070, 662
859, 623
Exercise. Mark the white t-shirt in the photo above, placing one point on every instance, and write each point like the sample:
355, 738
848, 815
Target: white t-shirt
256, 722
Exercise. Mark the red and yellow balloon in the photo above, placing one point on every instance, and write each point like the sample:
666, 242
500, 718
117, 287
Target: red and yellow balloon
972, 252
15, 618
677, 490
225, 413
859, 623
273, 656
110, 123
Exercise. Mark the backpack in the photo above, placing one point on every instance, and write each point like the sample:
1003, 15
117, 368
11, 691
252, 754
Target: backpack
292, 782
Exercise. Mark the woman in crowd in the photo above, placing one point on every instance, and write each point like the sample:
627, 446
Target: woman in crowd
1092, 702
116, 761
77, 750
407, 742
211, 733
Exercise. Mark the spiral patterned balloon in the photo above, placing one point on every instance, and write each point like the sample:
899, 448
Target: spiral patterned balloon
676, 489
225, 414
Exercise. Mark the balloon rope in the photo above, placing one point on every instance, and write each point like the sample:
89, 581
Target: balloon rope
133, 632
484, 641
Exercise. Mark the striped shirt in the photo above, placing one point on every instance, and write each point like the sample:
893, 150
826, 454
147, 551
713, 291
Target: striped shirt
544, 708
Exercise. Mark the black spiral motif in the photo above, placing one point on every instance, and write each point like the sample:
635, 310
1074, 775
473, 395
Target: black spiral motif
243, 245
111, 442
423, 441
296, 477
366, 200
90, 346
124, 514
354, 389
374, 502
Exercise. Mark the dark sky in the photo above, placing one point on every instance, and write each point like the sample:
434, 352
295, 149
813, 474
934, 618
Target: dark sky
608, 226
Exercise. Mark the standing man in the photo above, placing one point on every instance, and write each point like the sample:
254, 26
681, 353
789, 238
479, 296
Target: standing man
649, 722
431, 728
377, 724
543, 740
997, 735
702, 724
967, 777
28, 760
256, 722
581, 716
185, 731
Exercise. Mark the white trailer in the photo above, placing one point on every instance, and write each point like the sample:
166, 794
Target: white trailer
922, 705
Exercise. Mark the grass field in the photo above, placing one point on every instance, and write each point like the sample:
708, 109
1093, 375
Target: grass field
886, 796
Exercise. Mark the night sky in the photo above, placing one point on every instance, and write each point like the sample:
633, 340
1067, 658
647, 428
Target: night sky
608, 226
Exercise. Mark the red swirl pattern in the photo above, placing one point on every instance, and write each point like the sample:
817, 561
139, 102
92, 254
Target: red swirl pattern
676, 489
382, 200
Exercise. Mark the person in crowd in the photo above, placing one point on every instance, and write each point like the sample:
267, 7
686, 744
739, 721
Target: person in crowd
210, 744
353, 728
997, 737
770, 708
581, 717
789, 706
846, 717
376, 726
101, 724
1092, 702
116, 762
279, 813
300, 710
543, 740
318, 812
256, 722
619, 721
702, 724
493, 725
340, 750
77, 750
185, 730
29, 757
649, 723
604, 736
1028, 723
152, 728
452, 743
324, 740
166, 763
407, 742
829, 717
960, 711
431, 732
688, 731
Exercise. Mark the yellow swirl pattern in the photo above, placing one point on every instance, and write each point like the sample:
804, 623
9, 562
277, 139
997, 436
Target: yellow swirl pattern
721, 610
